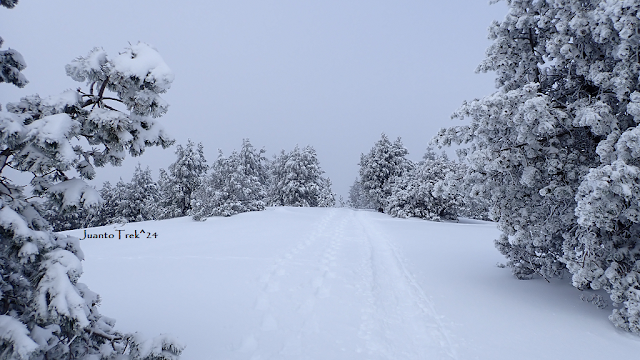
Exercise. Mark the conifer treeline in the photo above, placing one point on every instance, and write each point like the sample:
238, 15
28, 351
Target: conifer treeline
243, 181
433, 188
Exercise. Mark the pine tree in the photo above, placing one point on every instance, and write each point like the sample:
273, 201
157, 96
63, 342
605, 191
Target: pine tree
65, 220
358, 199
473, 206
554, 149
168, 205
179, 184
383, 162
126, 202
253, 178
296, 180
326, 197
139, 197
46, 312
236, 184
108, 212
426, 190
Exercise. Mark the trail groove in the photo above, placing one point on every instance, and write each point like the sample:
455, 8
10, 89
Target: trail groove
344, 292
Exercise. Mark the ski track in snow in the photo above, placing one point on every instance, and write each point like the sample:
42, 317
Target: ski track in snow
400, 322
344, 292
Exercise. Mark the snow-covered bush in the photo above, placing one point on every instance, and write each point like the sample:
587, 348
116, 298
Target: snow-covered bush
45, 312
236, 184
184, 177
296, 180
426, 190
554, 150
383, 162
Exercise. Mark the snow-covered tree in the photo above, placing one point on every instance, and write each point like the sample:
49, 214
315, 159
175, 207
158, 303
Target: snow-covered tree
65, 220
358, 199
168, 206
554, 150
326, 198
140, 197
108, 212
126, 202
473, 205
383, 162
296, 180
184, 177
11, 65
426, 190
45, 312
11, 61
236, 184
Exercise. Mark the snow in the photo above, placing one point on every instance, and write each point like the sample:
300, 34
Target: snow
9, 219
156, 346
16, 332
88, 68
60, 101
28, 251
57, 295
144, 62
109, 118
327, 283
55, 130
76, 192
10, 125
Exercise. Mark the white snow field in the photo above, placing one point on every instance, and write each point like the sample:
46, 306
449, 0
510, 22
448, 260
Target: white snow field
331, 284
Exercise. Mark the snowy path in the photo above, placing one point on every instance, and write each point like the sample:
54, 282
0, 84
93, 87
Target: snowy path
343, 291
338, 284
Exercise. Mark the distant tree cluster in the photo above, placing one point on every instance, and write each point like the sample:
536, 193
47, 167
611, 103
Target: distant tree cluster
241, 182
237, 183
296, 180
137, 200
555, 150
433, 188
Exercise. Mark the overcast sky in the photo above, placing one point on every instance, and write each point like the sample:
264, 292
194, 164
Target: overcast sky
333, 74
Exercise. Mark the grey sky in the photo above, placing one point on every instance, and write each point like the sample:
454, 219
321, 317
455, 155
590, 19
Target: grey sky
331, 74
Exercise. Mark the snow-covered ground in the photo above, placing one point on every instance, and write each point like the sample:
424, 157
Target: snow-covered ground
330, 284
